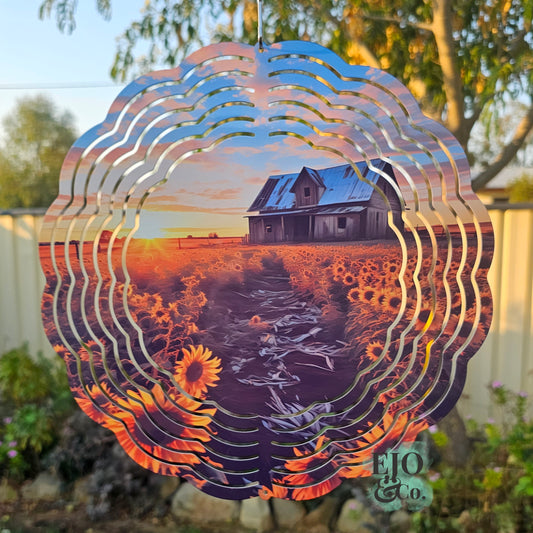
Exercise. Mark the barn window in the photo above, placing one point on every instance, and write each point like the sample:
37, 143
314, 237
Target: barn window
307, 192
268, 228
341, 222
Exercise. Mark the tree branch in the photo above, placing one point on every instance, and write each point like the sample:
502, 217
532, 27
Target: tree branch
518, 44
399, 21
470, 122
508, 152
351, 22
369, 58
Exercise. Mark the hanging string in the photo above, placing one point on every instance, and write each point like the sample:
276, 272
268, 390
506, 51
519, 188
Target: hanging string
260, 24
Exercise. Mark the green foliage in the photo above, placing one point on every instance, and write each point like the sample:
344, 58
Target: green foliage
463, 59
491, 39
37, 138
66, 12
24, 380
440, 438
494, 491
34, 399
521, 189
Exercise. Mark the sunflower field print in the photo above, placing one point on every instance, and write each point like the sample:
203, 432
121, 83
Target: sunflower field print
264, 266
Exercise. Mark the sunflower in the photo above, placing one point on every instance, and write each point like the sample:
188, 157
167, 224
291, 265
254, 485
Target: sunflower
338, 269
379, 298
197, 370
387, 433
391, 268
392, 303
90, 352
353, 295
367, 294
374, 349
349, 279
277, 491
425, 316
303, 479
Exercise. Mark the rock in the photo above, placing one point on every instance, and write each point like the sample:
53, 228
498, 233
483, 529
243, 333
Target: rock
192, 505
287, 513
355, 516
458, 449
465, 519
255, 514
322, 515
7, 492
46, 487
400, 521
318, 528
168, 487
80, 492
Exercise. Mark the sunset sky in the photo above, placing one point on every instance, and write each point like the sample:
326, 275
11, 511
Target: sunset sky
212, 191
185, 152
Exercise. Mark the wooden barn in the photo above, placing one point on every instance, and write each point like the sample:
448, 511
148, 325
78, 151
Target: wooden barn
331, 204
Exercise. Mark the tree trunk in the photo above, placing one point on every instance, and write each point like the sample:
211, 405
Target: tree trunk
451, 76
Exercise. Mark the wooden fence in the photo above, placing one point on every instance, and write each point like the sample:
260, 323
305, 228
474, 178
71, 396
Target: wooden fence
506, 356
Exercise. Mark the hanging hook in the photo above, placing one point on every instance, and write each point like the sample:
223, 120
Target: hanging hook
260, 24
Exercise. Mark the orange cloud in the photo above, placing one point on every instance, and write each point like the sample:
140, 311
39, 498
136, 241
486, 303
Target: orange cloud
168, 203
212, 193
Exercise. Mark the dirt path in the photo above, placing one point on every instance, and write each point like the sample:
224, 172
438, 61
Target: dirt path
273, 338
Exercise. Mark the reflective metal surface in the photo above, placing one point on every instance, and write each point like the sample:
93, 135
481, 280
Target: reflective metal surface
257, 348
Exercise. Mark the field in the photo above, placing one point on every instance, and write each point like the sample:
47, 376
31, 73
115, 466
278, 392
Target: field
204, 359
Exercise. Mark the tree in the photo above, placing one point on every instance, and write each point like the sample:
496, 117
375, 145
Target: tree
463, 59
521, 189
37, 139
494, 131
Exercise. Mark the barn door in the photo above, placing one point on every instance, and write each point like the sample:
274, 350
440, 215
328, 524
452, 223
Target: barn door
301, 228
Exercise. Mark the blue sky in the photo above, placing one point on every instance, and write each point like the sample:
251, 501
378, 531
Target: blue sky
36, 54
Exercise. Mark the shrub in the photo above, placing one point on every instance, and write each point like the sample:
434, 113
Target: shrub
494, 492
34, 399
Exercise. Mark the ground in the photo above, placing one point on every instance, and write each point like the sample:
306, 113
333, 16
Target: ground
62, 517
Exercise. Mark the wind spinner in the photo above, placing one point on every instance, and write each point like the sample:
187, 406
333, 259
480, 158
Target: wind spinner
264, 266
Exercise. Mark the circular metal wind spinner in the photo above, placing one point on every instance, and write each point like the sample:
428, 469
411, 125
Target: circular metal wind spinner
263, 266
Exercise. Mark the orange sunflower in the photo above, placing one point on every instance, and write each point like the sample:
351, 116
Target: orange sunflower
374, 349
303, 481
387, 433
392, 302
349, 279
353, 295
197, 370
277, 491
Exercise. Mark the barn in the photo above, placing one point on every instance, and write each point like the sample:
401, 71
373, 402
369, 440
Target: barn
330, 204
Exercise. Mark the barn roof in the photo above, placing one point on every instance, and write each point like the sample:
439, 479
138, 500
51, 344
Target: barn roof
312, 174
341, 185
337, 210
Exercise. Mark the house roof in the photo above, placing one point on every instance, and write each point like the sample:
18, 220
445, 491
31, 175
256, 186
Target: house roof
341, 185
335, 210
312, 174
